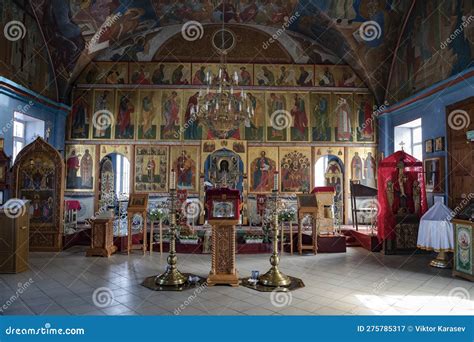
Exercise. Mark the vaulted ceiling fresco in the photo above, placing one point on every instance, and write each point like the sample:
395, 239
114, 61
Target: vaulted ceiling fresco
361, 33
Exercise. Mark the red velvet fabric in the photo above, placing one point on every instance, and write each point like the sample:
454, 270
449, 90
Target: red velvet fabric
388, 171
323, 189
73, 205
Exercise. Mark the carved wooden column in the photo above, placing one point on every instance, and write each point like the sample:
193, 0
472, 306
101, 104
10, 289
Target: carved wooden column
223, 269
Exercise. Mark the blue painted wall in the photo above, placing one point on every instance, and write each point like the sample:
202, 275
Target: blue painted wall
14, 97
431, 110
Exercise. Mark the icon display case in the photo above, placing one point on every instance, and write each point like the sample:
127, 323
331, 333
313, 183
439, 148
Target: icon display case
463, 225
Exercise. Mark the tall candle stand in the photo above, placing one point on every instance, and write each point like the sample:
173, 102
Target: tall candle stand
274, 277
172, 276
172, 279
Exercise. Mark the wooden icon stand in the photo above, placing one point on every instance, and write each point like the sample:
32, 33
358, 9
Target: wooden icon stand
223, 205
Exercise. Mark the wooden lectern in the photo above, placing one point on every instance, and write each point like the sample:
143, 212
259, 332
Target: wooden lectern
102, 239
223, 209
137, 205
308, 206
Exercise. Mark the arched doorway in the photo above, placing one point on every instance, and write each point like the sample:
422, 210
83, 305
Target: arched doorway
329, 171
114, 179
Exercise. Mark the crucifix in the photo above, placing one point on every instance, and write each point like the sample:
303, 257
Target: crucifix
401, 144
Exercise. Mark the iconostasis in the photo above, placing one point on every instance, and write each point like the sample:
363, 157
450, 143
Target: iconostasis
143, 112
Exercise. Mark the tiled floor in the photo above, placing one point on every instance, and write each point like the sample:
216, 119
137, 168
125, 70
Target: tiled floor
355, 283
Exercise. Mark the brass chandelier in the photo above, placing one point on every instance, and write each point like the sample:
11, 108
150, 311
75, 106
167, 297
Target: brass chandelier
221, 107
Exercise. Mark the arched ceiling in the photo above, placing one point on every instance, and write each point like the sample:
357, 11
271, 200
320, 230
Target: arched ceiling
306, 31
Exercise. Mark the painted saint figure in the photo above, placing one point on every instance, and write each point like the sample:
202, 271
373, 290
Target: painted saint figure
147, 118
86, 170
356, 167
170, 114
262, 173
191, 119
322, 129
369, 170
124, 119
72, 164
343, 115
300, 120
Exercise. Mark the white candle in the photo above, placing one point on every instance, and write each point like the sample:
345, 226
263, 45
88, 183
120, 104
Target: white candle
173, 180
275, 181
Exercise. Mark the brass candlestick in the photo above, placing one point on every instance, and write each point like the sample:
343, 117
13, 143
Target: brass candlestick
274, 277
172, 276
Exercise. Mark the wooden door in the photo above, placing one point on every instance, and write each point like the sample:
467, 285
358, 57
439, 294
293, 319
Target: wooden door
460, 119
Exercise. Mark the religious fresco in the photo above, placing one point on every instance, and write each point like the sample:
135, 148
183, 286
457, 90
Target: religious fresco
167, 73
80, 118
345, 25
171, 108
185, 162
244, 73
240, 11
160, 73
103, 113
266, 75
343, 116
298, 106
262, 165
204, 73
254, 128
364, 108
151, 168
336, 76
295, 169
320, 114
428, 53
104, 73
80, 167
126, 109
147, 117
24, 56
171, 114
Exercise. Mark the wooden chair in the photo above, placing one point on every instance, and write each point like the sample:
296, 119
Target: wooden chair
282, 235
160, 241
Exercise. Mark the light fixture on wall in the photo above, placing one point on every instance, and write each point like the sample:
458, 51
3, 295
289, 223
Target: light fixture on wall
220, 106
